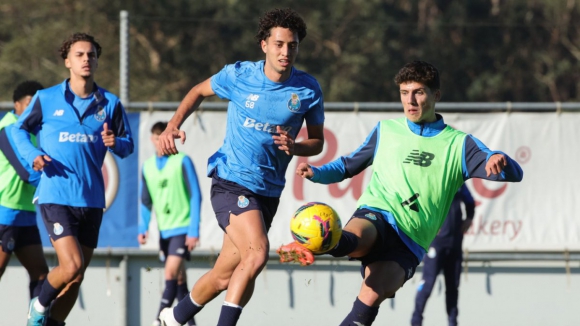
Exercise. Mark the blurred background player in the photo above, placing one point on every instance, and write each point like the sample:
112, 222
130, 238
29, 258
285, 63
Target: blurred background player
419, 163
76, 123
268, 102
18, 181
170, 185
446, 254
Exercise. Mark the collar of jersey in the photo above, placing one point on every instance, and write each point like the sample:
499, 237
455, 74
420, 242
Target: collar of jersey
97, 95
262, 62
428, 129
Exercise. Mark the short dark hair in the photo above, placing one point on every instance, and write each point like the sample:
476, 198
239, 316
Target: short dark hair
286, 18
158, 127
78, 37
420, 72
27, 88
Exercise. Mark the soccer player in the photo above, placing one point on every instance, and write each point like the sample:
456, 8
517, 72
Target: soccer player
169, 183
18, 181
268, 102
419, 163
445, 253
76, 123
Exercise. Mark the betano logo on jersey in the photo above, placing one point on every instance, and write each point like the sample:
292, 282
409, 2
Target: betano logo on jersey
77, 138
261, 126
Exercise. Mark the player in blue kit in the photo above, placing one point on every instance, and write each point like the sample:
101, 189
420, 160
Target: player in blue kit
18, 231
446, 254
76, 124
268, 102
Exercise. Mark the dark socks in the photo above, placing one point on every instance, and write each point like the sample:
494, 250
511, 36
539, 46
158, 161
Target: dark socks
52, 322
34, 288
168, 295
47, 294
182, 291
360, 315
347, 244
229, 316
185, 310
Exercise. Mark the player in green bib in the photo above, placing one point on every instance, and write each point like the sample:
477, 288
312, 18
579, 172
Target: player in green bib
171, 188
418, 163
18, 230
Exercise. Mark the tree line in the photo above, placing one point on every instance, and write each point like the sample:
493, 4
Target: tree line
486, 50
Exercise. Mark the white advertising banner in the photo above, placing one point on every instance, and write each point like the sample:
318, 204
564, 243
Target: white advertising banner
538, 214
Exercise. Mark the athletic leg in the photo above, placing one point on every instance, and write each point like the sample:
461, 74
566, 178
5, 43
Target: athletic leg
73, 272
452, 272
172, 270
431, 268
207, 287
32, 258
383, 279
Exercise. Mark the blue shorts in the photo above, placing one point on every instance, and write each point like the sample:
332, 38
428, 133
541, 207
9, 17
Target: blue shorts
15, 237
174, 246
388, 246
230, 198
81, 222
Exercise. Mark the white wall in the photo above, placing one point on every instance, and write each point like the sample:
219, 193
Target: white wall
496, 293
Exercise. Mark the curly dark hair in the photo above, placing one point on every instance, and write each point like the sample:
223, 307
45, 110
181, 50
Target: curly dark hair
286, 18
420, 72
158, 128
27, 88
78, 37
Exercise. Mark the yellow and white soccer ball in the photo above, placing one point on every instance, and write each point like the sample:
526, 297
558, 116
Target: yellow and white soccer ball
316, 226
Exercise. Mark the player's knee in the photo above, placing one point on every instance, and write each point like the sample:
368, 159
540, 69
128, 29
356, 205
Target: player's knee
71, 272
255, 261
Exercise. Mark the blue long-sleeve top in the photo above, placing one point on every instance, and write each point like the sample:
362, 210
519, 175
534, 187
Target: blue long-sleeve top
475, 156
71, 137
192, 184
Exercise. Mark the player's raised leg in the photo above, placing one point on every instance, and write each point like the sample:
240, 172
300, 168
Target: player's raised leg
207, 287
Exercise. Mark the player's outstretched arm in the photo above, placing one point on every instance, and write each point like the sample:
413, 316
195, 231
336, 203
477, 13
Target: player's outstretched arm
188, 105
481, 162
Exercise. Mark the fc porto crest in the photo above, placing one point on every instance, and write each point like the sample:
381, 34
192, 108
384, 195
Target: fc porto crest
100, 115
371, 216
57, 229
10, 245
243, 202
294, 103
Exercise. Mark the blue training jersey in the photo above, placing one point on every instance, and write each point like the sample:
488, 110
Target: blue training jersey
73, 141
257, 105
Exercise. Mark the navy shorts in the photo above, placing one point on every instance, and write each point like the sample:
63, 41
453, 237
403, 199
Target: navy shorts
81, 222
174, 246
388, 247
15, 237
230, 198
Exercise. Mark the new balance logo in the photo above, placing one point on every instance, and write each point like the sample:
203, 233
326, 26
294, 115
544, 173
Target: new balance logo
58, 113
419, 158
252, 97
